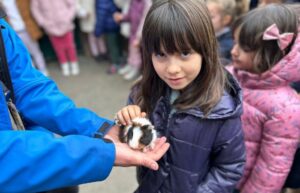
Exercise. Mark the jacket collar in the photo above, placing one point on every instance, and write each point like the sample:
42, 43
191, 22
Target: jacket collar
230, 104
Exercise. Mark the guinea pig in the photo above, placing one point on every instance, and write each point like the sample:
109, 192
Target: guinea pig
140, 135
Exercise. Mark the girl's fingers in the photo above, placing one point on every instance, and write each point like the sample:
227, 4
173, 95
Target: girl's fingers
137, 110
143, 114
121, 118
126, 116
132, 112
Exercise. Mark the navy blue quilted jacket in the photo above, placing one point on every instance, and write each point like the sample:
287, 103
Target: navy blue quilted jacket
207, 154
104, 17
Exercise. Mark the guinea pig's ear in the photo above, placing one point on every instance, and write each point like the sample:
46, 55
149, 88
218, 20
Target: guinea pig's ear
151, 127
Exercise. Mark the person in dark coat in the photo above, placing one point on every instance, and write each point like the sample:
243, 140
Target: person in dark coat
105, 25
190, 99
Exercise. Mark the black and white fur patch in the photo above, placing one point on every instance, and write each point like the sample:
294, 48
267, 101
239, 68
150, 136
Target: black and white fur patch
140, 135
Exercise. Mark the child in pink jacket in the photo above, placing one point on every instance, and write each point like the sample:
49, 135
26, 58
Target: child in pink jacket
56, 18
266, 59
135, 16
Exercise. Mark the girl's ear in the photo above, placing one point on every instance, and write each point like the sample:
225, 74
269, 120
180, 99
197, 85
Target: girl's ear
227, 20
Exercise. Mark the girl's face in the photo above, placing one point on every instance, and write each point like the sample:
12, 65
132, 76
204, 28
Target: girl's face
241, 59
177, 70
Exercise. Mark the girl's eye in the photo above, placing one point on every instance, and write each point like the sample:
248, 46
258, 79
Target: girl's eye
160, 55
185, 54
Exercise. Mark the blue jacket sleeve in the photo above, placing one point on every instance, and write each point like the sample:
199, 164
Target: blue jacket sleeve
38, 98
31, 161
228, 159
34, 161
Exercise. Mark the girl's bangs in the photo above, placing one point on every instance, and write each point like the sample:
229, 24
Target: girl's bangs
171, 33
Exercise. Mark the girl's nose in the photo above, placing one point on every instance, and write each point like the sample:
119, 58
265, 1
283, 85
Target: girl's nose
234, 50
173, 67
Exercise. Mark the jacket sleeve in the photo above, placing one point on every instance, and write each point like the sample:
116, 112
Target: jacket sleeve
81, 12
279, 143
39, 100
148, 4
70, 14
100, 17
228, 159
35, 161
126, 15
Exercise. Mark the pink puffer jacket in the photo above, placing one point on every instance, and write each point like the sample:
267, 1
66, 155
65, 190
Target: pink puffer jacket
54, 16
271, 123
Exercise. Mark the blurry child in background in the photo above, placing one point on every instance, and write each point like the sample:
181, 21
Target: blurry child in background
87, 20
19, 17
222, 14
135, 16
56, 18
105, 25
190, 99
123, 5
266, 59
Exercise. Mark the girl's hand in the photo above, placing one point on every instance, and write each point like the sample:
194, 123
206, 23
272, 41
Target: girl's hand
126, 114
136, 43
118, 17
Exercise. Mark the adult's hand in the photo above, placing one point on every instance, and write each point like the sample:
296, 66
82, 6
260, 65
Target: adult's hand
125, 156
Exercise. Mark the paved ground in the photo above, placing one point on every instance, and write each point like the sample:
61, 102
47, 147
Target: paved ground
104, 94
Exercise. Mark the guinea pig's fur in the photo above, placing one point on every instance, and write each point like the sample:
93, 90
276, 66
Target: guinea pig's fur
140, 135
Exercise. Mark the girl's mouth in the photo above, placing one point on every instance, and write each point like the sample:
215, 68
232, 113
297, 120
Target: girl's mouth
175, 81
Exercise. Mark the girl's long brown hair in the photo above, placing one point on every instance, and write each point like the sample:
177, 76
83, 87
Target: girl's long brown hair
176, 26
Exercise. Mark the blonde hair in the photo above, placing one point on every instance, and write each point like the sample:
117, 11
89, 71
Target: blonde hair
242, 6
228, 7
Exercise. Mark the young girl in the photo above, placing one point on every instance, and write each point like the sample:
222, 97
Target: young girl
135, 16
56, 17
107, 27
266, 59
87, 19
123, 5
190, 99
